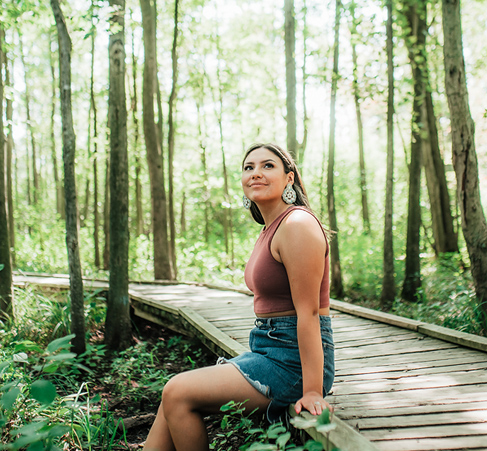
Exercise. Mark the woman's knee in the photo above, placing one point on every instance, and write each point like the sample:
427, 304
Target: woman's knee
173, 394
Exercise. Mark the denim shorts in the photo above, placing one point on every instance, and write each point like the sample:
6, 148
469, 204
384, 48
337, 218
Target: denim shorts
273, 366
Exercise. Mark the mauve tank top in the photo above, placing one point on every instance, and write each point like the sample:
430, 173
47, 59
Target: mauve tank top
267, 278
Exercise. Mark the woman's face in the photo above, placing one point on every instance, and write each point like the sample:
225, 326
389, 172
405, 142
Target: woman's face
263, 176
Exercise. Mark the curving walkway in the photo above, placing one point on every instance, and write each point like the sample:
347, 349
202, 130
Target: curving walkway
401, 385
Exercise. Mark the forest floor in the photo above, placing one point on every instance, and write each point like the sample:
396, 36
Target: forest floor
136, 408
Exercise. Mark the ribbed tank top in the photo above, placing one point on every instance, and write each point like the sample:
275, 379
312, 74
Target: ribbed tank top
267, 278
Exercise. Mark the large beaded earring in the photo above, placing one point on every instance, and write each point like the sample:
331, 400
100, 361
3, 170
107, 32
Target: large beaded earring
289, 195
246, 202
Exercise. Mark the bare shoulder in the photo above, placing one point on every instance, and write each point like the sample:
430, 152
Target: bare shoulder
302, 222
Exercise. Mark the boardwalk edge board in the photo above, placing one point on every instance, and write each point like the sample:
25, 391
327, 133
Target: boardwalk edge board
343, 437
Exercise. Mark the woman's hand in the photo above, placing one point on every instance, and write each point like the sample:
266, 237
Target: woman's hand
313, 402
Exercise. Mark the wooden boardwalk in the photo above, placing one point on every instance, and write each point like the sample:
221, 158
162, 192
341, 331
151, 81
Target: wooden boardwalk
403, 385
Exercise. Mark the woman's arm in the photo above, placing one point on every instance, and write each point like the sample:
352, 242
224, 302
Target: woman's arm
301, 247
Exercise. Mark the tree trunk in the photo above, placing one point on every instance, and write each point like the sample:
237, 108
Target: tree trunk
106, 216
35, 172
10, 147
139, 216
388, 292
96, 211
204, 167
301, 149
446, 239
118, 334
360, 128
170, 141
69, 150
416, 16
336, 286
57, 182
162, 261
465, 163
6, 293
290, 48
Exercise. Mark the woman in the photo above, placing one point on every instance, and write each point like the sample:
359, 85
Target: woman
291, 358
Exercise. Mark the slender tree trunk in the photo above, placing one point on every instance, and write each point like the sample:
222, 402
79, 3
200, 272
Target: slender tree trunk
360, 128
35, 172
9, 150
139, 216
336, 286
57, 182
162, 261
6, 293
446, 240
170, 139
302, 147
290, 48
465, 162
388, 292
415, 14
204, 166
106, 216
69, 150
117, 326
96, 210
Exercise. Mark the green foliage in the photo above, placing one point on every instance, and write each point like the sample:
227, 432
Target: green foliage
259, 437
448, 297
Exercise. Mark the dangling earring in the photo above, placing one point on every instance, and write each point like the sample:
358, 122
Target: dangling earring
289, 195
246, 202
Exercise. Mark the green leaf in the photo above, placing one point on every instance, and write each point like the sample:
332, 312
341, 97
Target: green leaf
27, 346
62, 356
2, 266
43, 391
283, 439
9, 398
30, 428
36, 446
21, 357
324, 418
63, 342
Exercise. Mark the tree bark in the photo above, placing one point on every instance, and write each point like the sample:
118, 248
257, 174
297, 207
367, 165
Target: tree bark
69, 150
59, 186
290, 49
301, 148
96, 210
139, 216
336, 286
388, 292
6, 293
162, 261
415, 14
446, 239
118, 326
9, 150
30, 128
474, 225
360, 128
170, 141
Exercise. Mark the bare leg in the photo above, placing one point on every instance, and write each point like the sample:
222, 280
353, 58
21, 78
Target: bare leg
188, 397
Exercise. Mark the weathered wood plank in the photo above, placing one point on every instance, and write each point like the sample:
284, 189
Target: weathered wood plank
426, 432
343, 436
478, 443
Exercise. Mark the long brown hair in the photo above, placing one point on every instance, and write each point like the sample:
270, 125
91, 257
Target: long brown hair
289, 166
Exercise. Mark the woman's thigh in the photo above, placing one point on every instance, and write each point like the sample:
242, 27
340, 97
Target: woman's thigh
207, 389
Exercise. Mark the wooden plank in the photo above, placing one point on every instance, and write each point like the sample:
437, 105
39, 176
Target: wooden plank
343, 436
208, 330
476, 442
454, 336
427, 432
423, 409
400, 373
375, 315
400, 421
